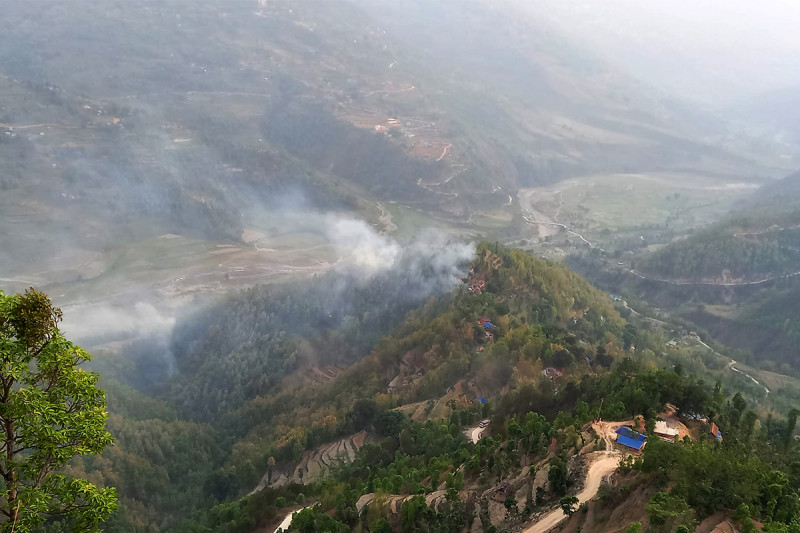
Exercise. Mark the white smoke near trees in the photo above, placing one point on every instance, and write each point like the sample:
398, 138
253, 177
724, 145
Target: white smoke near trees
374, 274
430, 264
431, 261
116, 320
361, 246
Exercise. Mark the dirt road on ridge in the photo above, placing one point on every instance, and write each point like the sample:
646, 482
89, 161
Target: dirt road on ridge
594, 477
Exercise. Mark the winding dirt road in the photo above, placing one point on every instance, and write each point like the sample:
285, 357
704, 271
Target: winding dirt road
594, 477
731, 362
444, 152
560, 225
476, 435
731, 366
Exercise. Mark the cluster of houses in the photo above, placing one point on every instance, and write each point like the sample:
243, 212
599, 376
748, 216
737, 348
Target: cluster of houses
634, 441
476, 286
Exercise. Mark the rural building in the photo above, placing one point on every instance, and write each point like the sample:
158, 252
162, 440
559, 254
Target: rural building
715, 432
551, 372
666, 432
477, 287
630, 439
485, 322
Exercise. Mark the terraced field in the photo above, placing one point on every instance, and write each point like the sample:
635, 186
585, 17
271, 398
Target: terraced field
315, 464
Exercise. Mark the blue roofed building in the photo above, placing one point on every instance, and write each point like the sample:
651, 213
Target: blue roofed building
630, 439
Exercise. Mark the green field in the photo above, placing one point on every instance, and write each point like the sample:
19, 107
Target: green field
602, 207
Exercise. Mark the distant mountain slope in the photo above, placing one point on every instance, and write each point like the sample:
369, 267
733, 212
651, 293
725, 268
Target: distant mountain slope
480, 97
760, 240
780, 109
229, 124
558, 110
782, 195
742, 272
728, 254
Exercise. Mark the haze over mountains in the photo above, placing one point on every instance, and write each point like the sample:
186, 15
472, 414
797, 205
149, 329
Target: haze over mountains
716, 52
200, 120
283, 228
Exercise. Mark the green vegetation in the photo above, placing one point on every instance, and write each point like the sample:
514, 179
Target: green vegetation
243, 403
569, 504
50, 412
711, 253
196, 122
239, 399
751, 469
735, 281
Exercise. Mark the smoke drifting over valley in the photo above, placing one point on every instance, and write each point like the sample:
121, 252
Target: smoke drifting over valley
433, 258
368, 273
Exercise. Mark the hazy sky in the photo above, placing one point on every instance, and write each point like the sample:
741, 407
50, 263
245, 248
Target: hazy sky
716, 51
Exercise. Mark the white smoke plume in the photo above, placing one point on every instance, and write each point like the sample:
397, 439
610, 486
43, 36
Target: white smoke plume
431, 263
114, 321
361, 246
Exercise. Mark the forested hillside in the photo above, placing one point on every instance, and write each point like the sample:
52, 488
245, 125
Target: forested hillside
248, 387
778, 196
732, 252
265, 377
759, 240
735, 280
430, 477
260, 216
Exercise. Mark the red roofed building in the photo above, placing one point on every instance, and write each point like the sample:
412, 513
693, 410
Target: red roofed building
715, 432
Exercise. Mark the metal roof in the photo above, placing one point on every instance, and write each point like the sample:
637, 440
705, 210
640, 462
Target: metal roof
630, 438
